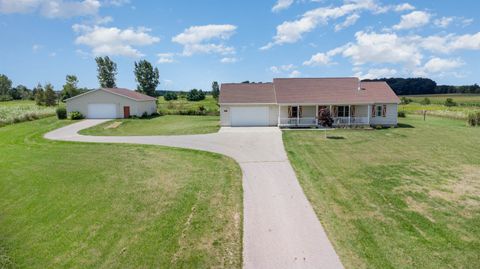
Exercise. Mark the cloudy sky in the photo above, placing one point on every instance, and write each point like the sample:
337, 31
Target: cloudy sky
196, 42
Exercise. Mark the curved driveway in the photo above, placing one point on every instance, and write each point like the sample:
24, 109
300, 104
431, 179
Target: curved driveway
280, 228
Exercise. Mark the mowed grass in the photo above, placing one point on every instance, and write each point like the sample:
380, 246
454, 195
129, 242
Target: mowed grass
19, 111
164, 125
395, 198
182, 105
80, 205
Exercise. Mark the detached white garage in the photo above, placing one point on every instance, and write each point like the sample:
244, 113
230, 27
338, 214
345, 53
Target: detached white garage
112, 103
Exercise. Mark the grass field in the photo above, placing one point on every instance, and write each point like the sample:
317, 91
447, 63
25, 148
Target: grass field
183, 106
439, 99
466, 103
19, 111
164, 125
79, 205
395, 198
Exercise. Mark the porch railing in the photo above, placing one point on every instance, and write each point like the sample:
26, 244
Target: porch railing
297, 121
350, 120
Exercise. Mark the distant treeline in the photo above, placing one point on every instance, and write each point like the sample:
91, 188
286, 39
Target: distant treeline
414, 86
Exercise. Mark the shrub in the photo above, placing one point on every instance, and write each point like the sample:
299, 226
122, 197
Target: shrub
195, 95
473, 118
75, 115
401, 114
170, 96
61, 113
405, 100
449, 102
144, 115
425, 101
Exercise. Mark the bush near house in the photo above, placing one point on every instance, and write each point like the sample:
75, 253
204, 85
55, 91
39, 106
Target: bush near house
75, 115
401, 114
168, 96
61, 113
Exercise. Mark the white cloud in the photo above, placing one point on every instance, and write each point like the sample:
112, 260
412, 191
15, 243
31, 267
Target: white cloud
281, 68
295, 74
197, 39
36, 47
444, 22
403, 7
292, 31
282, 4
165, 58
114, 41
349, 21
227, 60
451, 42
414, 19
377, 73
437, 65
116, 3
51, 8
382, 48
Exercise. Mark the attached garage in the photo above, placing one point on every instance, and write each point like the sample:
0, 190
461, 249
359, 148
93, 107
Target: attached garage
249, 116
111, 103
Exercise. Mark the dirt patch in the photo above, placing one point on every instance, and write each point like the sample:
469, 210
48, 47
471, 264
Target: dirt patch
464, 190
114, 125
419, 207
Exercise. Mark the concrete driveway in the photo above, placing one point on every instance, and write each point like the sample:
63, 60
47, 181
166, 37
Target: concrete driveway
281, 229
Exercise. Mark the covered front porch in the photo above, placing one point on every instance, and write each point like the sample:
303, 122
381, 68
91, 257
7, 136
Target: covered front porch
308, 115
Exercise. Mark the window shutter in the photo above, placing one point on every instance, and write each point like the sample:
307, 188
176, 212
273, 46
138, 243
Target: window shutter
300, 109
373, 111
289, 111
335, 111
384, 111
353, 111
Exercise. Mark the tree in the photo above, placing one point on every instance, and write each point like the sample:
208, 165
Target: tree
70, 88
170, 96
325, 118
107, 70
425, 101
195, 95
5, 88
39, 95
215, 90
50, 96
450, 102
146, 77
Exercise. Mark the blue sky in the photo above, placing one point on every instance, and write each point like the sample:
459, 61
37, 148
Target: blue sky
195, 42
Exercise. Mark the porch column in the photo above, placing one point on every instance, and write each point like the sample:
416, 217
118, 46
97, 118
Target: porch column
349, 113
368, 114
316, 114
298, 115
279, 121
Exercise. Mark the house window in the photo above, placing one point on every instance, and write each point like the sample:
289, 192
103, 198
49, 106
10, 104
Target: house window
343, 111
378, 111
293, 111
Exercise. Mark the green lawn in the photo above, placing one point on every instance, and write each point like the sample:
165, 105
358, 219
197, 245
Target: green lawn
80, 205
395, 198
164, 125
183, 106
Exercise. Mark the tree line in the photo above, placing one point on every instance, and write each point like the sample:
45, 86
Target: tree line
414, 86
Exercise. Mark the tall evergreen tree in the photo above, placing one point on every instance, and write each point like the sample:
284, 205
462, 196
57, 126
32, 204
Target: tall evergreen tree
215, 90
50, 95
107, 70
147, 77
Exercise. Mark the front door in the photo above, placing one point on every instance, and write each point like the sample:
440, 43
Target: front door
126, 112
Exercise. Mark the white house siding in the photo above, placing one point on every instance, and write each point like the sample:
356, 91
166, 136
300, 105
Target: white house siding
225, 111
137, 108
390, 119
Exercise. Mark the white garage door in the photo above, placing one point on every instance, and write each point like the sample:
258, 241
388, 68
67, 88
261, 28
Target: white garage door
249, 116
102, 111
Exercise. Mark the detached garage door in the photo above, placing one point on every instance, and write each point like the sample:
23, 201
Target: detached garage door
102, 111
249, 116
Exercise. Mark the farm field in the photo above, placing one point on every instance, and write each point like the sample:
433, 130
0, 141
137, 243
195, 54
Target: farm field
18, 111
407, 197
80, 205
164, 125
466, 103
182, 105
